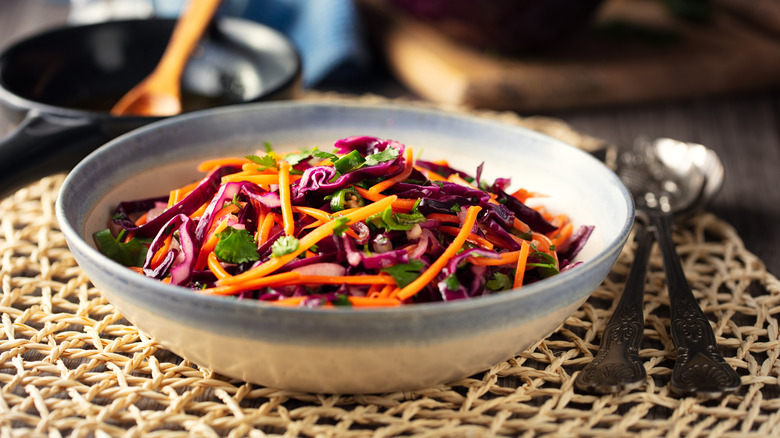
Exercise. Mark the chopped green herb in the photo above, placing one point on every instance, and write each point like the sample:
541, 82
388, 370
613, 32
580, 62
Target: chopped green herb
395, 221
236, 246
452, 282
342, 225
294, 159
547, 266
499, 282
265, 162
380, 157
131, 253
341, 300
405, 273
284, 245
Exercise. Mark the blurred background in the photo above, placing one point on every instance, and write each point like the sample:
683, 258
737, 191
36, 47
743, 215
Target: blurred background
705, 71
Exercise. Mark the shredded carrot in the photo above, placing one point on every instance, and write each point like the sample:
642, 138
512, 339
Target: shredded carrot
521, 226
387, 290
256, 283
173, 197
209, 245
209, 165
448, 218
399, 204
521, 260
284, 196
471, 238
457, 179
265, 227
159, 255
433, 270
215, 267
408, 167
343, 279
431, 175
307, 241
228, 209
562, 235
373, 302
507, 258
288, 302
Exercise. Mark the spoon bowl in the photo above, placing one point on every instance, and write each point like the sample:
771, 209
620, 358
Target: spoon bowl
159, 94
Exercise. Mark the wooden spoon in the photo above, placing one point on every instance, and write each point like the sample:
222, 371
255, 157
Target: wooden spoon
160, 93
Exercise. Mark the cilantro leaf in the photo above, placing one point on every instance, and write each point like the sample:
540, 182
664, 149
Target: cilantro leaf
452, 282
380, 157
342, 225
405, 273
236, 246
341, 300
266, 161
284, 245
294, 159
547, 266
131, 253
499, 282
395, 221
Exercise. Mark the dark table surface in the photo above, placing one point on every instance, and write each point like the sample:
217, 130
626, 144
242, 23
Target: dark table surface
743, 129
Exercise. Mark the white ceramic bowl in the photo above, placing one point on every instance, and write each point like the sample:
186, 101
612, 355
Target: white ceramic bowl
343, 350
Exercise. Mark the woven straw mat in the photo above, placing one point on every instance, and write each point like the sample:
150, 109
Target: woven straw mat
70, 365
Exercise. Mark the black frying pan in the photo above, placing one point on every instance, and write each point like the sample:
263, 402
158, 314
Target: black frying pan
60, 85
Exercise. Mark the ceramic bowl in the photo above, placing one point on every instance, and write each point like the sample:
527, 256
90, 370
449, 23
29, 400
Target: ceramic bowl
343, 350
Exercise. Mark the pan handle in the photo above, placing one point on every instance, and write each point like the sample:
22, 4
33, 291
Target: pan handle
43, 144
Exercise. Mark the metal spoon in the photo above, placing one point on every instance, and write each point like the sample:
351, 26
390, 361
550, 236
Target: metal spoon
160, 93
667, 177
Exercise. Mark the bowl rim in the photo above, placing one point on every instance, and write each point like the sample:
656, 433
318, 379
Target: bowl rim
76, 238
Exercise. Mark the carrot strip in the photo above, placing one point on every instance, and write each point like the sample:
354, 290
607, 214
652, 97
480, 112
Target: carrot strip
288, 302
457, 179
520, 225
307, 241
316, 213
448, 218
209, 245
408, 167
215, 267
426, 277
387, 290
173, 197
507, 258
256, 283
471, 238
399, 203
159, 256
431, 175
563, 234
284, 196
265, 228
373, 302
209, 165
521, 259
342, 279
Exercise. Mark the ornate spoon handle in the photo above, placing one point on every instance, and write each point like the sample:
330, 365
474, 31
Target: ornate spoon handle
617, 365
700, 368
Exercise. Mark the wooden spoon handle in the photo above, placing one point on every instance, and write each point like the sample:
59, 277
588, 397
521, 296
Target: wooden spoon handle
189, 28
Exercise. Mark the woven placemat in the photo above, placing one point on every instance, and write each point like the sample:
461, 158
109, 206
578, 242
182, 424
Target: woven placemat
70, 365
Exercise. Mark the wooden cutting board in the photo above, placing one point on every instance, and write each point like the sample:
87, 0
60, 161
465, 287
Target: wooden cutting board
732, 52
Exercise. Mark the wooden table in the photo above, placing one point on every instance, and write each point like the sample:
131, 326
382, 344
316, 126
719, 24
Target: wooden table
744, 129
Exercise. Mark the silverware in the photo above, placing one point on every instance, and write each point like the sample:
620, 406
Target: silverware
617, 366
669, 179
